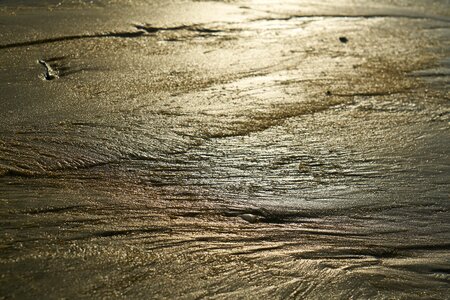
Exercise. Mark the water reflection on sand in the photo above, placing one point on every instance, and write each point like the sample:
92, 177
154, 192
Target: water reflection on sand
238, 149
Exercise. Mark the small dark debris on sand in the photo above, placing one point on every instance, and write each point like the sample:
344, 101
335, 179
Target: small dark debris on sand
343, 39
49, 73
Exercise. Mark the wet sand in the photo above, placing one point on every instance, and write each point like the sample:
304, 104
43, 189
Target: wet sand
224, 149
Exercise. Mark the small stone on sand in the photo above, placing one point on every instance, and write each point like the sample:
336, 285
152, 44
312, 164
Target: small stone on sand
250, 218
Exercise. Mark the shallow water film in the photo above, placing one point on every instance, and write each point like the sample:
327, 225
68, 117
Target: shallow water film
181, 149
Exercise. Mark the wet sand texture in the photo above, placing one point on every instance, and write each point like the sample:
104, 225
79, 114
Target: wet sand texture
224, 149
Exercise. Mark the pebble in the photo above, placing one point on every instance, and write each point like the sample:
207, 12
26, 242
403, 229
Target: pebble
251, 218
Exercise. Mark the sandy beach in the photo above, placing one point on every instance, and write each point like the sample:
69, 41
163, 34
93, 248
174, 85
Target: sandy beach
224, 149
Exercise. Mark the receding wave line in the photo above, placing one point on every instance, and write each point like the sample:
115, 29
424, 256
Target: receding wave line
132, 34
141, 31
360, 16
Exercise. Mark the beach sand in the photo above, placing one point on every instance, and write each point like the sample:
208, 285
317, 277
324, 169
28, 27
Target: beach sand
224, 149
